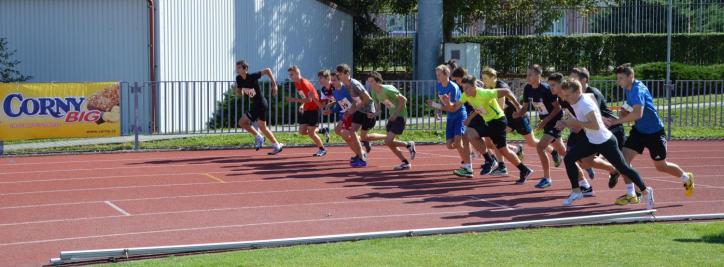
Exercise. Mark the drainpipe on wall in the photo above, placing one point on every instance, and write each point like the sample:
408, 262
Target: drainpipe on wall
152, 62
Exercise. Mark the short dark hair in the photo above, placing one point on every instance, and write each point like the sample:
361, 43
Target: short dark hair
343, 68
537, 68
571, 85
452, 64
293, 68
324, 73
558, 77
582, 73
376, 76
243, 64
625, 69
459, 72
469, 79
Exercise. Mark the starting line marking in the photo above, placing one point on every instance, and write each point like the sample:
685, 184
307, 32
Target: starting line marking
214, 178
117, 208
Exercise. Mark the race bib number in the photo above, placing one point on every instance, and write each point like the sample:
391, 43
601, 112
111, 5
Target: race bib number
627, 107
249, 91
540, 108
344, 104
388, 104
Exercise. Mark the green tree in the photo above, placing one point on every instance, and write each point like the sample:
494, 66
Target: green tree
8, 73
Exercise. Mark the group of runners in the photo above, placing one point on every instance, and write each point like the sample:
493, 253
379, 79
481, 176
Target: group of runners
480, 114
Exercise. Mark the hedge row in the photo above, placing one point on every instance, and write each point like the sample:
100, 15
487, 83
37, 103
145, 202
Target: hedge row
600, 53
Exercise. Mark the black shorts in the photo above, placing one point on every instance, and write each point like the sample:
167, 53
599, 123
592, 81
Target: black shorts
257, 112
495, 130
310, 117
363, 120
656, 143
550, 129
575, 138
397, 126
520, 125
620, 135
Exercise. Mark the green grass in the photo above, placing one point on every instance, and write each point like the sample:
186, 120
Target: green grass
662, 102
293, 139
692, 244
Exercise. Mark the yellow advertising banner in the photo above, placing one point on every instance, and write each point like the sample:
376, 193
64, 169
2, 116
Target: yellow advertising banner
59, 110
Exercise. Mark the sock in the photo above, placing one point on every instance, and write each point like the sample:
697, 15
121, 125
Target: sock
522, 167
501, 165
494, 157
685, 177
405, 161
321, 148
584, 183
468, 166
276, 145
547, 179
488, 157
408, 145
630, 189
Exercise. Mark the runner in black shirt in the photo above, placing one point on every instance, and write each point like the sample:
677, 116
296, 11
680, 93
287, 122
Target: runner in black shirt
248, 84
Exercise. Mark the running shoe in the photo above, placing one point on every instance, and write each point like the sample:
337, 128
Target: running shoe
689, 185
367, 145
500, 171
463, 172
587, 191
402, 166
487, 167
258, 142
359, 163
277, 149
320, 153
544, 183
626, 199
556, 158
649, 197
524, 174
411, 148
613, 179
573, 197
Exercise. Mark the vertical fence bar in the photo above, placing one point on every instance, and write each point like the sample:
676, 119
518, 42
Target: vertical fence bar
135, 91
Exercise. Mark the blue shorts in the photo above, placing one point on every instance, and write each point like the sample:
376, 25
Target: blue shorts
455, 127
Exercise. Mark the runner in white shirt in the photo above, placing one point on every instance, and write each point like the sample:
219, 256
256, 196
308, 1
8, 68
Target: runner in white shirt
599, 140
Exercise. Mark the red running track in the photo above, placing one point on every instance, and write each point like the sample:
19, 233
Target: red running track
49, 204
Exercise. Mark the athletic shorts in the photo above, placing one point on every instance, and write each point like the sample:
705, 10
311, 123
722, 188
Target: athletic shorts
620, 135
520, 125
256, 113
363, 120
495, 130
346, 122
656, 143
310, 117
397, 126
454, 127
550, 129
575, 138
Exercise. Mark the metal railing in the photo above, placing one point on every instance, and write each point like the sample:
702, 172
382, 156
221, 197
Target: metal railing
211, 107
633, 16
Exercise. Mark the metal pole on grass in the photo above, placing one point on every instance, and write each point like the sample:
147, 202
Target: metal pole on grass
669, 86
135, 90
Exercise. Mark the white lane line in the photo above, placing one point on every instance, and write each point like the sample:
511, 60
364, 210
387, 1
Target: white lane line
237, 226
504, 207
117, 208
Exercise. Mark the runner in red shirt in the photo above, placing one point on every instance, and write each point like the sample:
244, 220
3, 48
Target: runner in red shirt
311, 108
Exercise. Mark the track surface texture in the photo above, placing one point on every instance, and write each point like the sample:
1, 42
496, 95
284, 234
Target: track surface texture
80, 202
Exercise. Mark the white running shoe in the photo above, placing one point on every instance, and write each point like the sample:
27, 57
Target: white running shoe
573, 197
649, 197
403, 166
